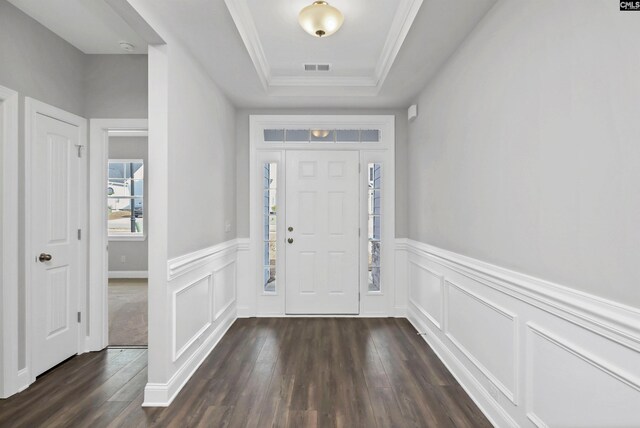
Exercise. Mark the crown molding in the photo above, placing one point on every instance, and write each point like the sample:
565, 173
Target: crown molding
239, 10
402, 22
322, 81
365, 85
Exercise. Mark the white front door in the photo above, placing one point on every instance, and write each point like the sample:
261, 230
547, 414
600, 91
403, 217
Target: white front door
322, 221
54, 179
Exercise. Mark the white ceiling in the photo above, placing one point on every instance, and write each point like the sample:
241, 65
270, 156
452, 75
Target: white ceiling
207, 29
90, 25
360, 54
381, 67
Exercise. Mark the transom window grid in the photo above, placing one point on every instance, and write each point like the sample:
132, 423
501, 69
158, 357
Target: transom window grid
321, 135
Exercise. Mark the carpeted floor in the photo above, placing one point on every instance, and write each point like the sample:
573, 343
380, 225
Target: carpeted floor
128, 312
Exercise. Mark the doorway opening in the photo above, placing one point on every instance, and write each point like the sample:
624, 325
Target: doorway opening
127, 235
118, 269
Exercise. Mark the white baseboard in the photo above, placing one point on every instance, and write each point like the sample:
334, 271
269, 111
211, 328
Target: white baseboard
485, 402
128, 274
400, 312
527, 351
161, 395
23, 379
245, 312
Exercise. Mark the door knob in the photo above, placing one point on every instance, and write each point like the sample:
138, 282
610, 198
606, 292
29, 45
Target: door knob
44, 257
290, 240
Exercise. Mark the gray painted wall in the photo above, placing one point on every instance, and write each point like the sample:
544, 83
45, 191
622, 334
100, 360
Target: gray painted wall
116, 86
39, 64
242, 177
202, 158
135, 252
525, 152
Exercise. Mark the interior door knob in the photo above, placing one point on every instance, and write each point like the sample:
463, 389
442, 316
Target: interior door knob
44, 257
290, 240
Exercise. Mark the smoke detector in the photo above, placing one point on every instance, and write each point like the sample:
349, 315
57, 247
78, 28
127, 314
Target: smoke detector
127, 47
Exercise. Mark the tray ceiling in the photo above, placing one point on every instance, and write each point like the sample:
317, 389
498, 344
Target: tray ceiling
360, 54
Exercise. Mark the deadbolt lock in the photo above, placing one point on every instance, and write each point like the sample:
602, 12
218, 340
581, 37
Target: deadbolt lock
290, 229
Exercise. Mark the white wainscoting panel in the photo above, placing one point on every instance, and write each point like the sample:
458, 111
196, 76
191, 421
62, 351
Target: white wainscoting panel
481, 330
599, 393
401, 281
529, 352
245, 268
202, 286
426, 291
225, 290
192, 307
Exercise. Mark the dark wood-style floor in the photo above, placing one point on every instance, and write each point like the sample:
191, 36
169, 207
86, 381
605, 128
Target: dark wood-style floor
296, 372
128, 317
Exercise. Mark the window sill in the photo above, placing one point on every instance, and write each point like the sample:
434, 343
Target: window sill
132, 238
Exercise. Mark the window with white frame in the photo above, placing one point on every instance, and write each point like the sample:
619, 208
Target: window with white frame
269, 225
374, 203
125, 198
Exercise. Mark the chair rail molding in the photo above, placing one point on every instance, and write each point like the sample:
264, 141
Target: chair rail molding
528, 351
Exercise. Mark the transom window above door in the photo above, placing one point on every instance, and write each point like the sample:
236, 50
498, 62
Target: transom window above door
322, 135
125, 198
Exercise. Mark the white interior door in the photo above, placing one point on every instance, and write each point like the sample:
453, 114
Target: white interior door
322, 211
54, 242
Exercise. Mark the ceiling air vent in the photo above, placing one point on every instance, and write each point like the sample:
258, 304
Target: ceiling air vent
317, 67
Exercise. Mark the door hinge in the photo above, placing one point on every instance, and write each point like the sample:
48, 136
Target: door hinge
79, 317
359, 168
79, 147
358, 232
79, 234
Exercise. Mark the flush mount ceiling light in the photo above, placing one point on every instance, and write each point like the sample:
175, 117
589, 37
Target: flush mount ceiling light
320, 20
320, 133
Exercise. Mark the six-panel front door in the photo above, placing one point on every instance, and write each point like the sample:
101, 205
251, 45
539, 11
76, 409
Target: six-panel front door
54, 241
322, 219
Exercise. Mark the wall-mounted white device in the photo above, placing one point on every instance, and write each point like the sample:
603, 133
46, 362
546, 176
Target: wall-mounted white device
413, 112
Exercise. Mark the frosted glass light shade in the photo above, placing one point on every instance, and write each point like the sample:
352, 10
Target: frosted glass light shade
320, 19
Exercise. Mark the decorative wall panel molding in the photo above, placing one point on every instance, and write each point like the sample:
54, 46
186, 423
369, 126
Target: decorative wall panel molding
529, 352
203, 288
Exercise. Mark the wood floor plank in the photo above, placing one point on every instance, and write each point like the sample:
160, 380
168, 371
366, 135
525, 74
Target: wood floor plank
386, 408
280, 372
216, 417
87, 400
76, 383
131, 389
132, 416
